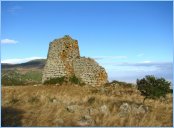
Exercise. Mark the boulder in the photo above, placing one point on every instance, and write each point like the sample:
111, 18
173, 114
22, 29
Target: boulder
126, 109
85, 120
72, 108
104, 109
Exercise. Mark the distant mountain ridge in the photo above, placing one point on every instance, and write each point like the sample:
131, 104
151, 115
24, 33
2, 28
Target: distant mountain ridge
37, 63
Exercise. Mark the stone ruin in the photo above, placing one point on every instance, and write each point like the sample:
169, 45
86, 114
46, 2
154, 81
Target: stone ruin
63, 60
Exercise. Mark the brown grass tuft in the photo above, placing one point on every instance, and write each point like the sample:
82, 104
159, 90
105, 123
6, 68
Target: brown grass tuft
47, 106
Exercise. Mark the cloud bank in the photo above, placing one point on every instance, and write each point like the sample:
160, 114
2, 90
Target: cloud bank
129, 72
109, 57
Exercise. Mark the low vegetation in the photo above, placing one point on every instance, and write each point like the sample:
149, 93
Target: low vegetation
56, 80
16, 77
63, 80
69, 105
153, 88
73, 79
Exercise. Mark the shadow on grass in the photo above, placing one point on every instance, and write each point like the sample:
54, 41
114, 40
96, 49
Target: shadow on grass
11, 117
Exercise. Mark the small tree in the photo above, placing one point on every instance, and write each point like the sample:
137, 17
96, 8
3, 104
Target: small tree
153, 88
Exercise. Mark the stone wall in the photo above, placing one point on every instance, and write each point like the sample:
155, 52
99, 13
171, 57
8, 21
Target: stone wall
64, 60
89, 71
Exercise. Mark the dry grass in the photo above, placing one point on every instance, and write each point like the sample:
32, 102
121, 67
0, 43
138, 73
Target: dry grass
47, 106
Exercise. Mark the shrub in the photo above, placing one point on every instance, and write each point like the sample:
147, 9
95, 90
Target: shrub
74, 80
171, 91
66, 36
153, 88
56, 80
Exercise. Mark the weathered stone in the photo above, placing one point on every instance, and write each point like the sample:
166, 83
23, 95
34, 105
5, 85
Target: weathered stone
72, 108
85, 121
134, 108
64, 59
59, 121
104, 109
126, 109
54, 100
142, 109
87, 117
93, 111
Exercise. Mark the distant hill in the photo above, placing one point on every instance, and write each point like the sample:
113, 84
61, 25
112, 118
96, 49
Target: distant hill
22, 74
38, 64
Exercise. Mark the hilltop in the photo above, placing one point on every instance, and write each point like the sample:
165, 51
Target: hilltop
22, 74
34, 64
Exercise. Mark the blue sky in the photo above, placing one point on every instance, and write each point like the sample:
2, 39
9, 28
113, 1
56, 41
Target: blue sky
129, 39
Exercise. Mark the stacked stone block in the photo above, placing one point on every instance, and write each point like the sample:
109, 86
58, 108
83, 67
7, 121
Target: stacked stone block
89, 71
64, 59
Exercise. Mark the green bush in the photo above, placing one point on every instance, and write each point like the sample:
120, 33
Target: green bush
171, 91
153, 88
74, 80
60, 80
56, 80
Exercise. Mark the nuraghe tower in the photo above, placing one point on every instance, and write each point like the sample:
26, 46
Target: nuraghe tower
64, 59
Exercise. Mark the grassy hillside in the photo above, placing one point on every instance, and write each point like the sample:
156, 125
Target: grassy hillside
72, 105
37, 64
16, 77
22, 74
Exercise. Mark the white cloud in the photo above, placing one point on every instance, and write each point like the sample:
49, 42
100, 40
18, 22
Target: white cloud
8, 41
109, 57
20, 60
